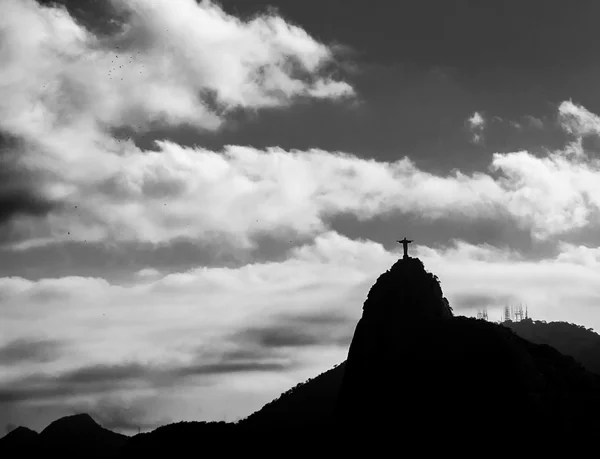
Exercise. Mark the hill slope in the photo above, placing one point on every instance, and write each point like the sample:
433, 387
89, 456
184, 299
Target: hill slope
73, 436
575, 340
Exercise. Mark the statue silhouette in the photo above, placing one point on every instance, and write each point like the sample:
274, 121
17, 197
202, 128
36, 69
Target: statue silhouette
405, 243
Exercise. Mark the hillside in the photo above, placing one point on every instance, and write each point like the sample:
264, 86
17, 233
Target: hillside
69, 437
575, 340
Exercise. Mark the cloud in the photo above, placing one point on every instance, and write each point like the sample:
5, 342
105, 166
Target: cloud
106, 379
92, 187
534, 122
224, 368
461, 250
147, 273
528, 121
158, 66
550, 195
22, 351
479, 300
17, 193
580, 255
577, 120
297, 331
64, 90
236, 196
90, 380
476, 124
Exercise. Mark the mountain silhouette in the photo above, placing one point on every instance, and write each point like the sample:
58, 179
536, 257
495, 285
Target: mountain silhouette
72, 436
414, 372
412, 364
19, 442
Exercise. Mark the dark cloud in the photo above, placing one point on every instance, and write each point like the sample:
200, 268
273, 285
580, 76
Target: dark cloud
31, 389
9, 427
294, 331
220, 368
319, 319
255, 349
105, 379
480, 300
88, 380
99, 374
30, 351
21, 201
281, 336
19, 195
97, 16
97, 259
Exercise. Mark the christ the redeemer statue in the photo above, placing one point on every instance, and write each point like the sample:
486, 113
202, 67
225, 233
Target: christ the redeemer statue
405, 243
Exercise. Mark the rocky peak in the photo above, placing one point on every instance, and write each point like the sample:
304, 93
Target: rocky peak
81, 422
407, 292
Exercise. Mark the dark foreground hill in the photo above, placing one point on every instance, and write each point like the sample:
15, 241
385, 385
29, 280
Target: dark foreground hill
20, 442
69, 437
415, 374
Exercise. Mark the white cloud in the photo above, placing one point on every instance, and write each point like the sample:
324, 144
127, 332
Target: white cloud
577, 120
235, 195
58, 75
550, 195
148, 273
580, 255
174, 63
476, 124
476, 120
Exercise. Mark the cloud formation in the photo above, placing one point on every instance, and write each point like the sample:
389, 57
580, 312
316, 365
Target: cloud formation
23, 351
235, 196
108, 379
63, 90
476, 124
70, 179
577, 120
298, 331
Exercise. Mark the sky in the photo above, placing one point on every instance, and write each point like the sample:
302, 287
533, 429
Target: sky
195, 197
